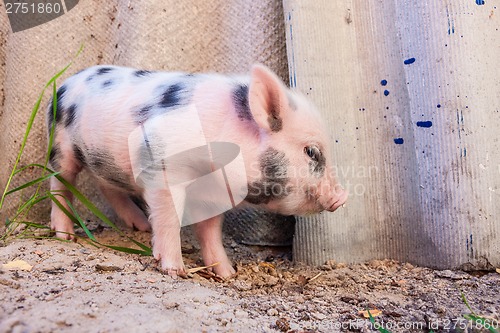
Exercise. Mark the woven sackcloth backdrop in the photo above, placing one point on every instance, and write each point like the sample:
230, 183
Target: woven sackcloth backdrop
193, 35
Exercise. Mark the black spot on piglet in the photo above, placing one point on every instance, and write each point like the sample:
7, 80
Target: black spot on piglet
103, 165
107, 83
55, 156
144, 113
59, 109
240, 100
274, 120
141, 73
70, 115
99, 72
79, 156
171, 97
104, 70
274, 182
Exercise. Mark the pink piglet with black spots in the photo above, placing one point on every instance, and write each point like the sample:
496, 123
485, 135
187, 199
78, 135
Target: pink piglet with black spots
281, 139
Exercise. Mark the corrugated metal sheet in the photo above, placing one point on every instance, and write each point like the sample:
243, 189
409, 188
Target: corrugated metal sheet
411, 93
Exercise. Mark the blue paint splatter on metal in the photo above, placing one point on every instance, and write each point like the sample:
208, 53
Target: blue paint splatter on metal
399, 141
293, 78
451, 23
409, 61
424, 124
468, 244
383, 82
386, 92
479, 2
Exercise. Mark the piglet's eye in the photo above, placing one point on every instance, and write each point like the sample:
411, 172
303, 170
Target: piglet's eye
313, 152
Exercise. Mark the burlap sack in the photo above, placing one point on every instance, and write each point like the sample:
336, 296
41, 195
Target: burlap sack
192, 35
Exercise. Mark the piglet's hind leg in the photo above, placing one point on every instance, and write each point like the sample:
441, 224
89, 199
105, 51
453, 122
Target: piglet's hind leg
59, 221
126, 209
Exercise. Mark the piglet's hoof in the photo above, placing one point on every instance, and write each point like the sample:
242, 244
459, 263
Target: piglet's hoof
224, 271
64, 234
174, 271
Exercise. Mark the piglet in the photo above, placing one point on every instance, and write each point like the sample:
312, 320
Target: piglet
117, 121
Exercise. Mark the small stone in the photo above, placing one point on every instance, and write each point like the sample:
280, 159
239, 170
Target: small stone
272, 281
241, 314
331, 263
272, 312
440, 310
299, 300
84, 251
408, 266
318, 315
242, 285
272, 271
107, 268
375, 264
450, 275
171, 305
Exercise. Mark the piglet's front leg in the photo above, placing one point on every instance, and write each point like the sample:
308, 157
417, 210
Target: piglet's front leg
209, 234
166, 232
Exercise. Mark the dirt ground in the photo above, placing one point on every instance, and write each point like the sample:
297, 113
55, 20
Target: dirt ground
75, 287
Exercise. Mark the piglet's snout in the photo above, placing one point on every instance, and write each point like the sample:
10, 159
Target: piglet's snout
339, 198
332, 197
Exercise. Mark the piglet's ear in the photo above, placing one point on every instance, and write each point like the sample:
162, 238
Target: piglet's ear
267, 98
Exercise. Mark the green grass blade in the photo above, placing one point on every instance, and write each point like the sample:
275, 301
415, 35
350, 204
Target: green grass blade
477, 319
466, 303
144, 249
36, 225
80, 221
90, 206
127, 250
23, 144
376, 325
483, 322
33, 114
53, 126
77, 219
61, 72
73, 215
87, 203
28, 205
33, 182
